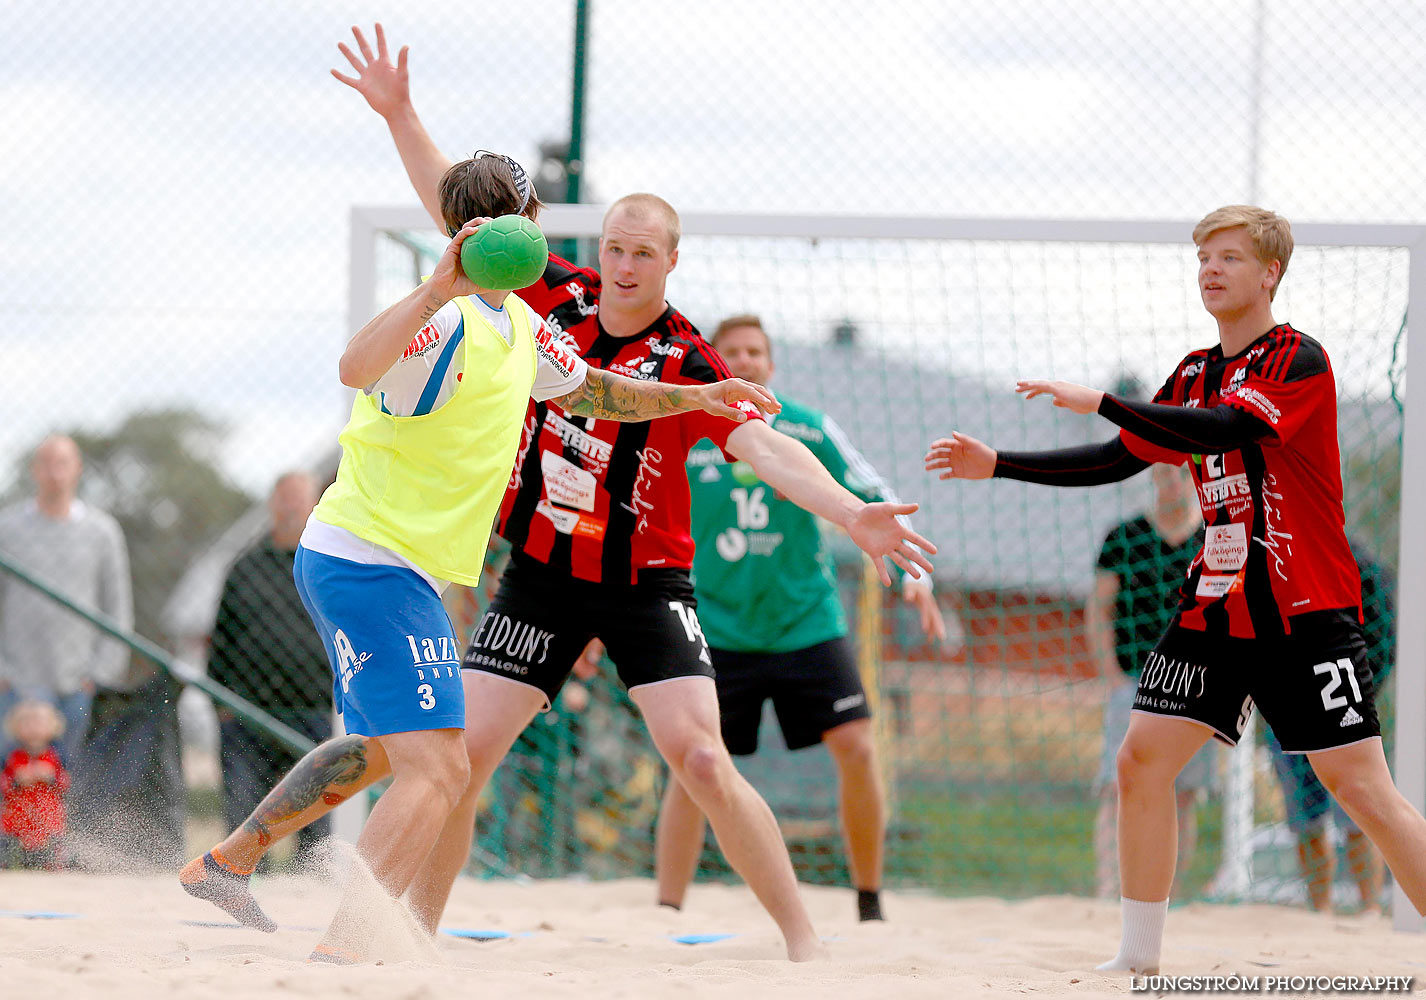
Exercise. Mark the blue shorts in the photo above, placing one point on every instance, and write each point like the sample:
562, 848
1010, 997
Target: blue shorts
395, 662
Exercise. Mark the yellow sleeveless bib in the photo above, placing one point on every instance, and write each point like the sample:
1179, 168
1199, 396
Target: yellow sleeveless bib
429, 487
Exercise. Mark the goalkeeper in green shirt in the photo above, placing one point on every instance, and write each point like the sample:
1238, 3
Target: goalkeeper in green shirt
768, 601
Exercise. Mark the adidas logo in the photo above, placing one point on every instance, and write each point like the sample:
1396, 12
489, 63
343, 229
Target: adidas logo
1351, 718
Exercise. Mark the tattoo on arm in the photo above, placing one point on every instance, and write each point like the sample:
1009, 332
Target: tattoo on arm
327, 774
608, 396
433, 306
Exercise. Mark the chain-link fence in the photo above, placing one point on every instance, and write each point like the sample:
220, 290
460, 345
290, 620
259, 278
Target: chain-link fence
177, 188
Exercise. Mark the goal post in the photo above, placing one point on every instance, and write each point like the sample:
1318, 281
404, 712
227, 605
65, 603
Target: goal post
935, 316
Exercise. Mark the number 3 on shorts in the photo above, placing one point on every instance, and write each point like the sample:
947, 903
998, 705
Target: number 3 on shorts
428, 696
1330, 699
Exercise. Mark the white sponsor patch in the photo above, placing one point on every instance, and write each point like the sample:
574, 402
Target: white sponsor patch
567, 484
849, 702
1214, 586
1226, 547
565, 521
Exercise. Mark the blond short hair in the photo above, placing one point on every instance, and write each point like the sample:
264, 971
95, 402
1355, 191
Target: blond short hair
1271, 233
650, 207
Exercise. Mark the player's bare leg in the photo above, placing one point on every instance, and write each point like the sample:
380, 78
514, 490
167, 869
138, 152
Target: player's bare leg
678, 843
328, 775
682, 717
496, 712
1154, 751
1358, 778
429, 774
862, 798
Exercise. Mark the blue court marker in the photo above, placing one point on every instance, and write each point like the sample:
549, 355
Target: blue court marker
227, 925
39, 915
472, 934
700, 938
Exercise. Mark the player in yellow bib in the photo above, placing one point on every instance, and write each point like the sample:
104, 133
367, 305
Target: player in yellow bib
445, 376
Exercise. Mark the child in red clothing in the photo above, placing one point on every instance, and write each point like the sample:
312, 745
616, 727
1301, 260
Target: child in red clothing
33, 784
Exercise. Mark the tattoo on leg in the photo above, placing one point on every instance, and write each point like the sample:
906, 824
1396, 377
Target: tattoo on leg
319, 775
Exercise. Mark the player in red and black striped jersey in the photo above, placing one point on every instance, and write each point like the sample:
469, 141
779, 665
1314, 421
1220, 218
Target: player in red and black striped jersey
598, 516
598, 500
1270, 612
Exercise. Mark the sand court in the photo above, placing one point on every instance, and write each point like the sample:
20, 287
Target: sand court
125, 937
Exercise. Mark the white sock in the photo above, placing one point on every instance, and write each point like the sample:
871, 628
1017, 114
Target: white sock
1141, 939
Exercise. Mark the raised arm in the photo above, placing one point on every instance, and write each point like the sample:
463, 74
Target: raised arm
609, 396
377, 346
790, 468
387, 88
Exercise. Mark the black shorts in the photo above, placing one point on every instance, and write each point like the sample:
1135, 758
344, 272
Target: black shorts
812, 690
540, 621
1314, 687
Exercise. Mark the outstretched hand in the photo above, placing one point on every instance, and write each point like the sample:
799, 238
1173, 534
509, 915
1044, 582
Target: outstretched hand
386, 87
962, 456
1067, 395
877, 532
721, 398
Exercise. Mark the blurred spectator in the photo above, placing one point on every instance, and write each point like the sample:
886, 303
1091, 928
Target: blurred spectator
33, 784
1306, 800
266, 650
46, 651
1142, 564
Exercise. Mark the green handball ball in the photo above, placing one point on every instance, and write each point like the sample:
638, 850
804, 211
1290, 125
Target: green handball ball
505, 254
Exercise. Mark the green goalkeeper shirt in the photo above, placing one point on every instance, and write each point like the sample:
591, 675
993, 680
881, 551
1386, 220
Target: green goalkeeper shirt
764, 579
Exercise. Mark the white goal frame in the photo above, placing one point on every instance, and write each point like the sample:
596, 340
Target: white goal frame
1409, 765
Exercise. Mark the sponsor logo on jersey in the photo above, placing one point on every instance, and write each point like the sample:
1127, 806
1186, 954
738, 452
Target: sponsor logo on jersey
1261, 403
566, 483
849, 702
594, 450
710, 474
657, 346
1225, 547
426, 338
1217, 492
571, 522
1191, 370
636, 368
1235, 380
706, 456
803, 432
555, 351
1215, 586
576, 293
732, 545
1351, 718
649, 458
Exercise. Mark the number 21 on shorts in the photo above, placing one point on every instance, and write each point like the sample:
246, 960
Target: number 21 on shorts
1330, 699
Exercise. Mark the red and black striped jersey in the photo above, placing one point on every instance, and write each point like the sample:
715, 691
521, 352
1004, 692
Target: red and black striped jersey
599, 499
1275, 545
